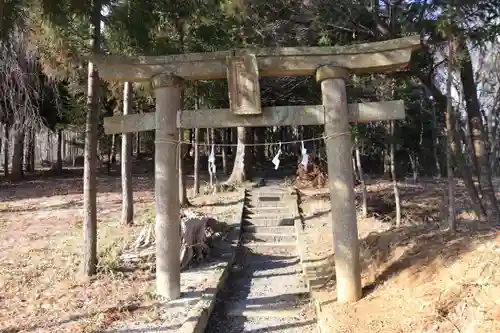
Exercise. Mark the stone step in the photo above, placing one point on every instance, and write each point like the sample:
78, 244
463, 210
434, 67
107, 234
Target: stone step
271, 199
256, 260
252, 244
269, 216
271, 196
272, 248
320, 282
269, 221
298, 323
271, 229
265, 276
318, 275
269, 237
253, 276
255, 201
271, 191
270, 268
284, 305
282, 219
291, 311
265, 205
272, 211
246, 257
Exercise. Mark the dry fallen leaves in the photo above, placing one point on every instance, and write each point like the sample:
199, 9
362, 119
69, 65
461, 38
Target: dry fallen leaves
40, 246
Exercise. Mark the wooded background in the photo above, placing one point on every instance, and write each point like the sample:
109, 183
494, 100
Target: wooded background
45, 144
47, 81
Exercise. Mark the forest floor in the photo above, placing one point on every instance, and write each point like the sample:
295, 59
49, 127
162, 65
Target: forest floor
416, 278
41, 240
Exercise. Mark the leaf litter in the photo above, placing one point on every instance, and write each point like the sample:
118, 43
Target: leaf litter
418, 278
40, 250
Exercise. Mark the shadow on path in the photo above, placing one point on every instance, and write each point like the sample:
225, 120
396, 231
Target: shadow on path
249, 266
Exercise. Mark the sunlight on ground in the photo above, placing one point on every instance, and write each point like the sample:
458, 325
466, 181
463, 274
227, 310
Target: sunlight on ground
40, 250
417, 278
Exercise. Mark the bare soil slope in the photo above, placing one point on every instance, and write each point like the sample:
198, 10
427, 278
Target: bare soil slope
417, 278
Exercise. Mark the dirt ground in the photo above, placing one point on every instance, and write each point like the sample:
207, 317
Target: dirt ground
40, 248
417, 278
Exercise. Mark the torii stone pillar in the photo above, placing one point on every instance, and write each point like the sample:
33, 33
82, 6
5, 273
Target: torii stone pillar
168, 93
342, 197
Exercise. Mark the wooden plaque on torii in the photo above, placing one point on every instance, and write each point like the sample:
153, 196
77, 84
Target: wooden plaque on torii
243, 83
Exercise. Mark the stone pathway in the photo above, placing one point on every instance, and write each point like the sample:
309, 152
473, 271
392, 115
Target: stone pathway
265, 292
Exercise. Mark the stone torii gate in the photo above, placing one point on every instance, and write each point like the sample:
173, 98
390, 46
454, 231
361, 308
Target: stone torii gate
242, 68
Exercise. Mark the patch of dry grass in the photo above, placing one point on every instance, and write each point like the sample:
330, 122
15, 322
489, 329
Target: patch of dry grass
40, 248
417, 278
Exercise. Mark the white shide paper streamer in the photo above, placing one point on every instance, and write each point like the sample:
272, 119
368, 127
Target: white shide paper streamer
276, 159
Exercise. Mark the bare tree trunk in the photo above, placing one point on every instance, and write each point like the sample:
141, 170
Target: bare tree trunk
397, 201
89, 261
354, 169
17, 154
48, 156
182, 149
260, 150
458, 155
361, 176
138, 145
387, 161
59, 163
414, 163
492, 134
228, 141
196, 161
493, 128
196, 166
182, 177
481, 156
449, 140
107, 141
224, 151
250, 153
212, 142
207, 141
238, 174
126, 162
6, 150
466, 173
113, 149
1, 135
189, 146
30, 150
435, 140
465, 130
64, 149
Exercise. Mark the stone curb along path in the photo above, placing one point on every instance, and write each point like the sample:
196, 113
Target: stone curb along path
266, 290
315, 275
198, 316
308, 271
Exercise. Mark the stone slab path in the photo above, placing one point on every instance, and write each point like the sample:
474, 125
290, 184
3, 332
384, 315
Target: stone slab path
265, 291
